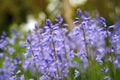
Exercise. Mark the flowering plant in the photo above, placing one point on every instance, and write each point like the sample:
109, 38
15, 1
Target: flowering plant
90, 51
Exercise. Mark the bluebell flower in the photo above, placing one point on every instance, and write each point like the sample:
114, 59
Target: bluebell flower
86, 14
79, 12
44, 77
65, 25
3, 35
77, 73
116, 63
1, 55
105, 70
59, 19
101, 21
10, 50
107, 78
51, 51
48, 23
36, 27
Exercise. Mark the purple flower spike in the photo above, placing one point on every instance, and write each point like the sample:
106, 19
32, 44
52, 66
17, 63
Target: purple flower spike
14, 31
79, 12
36, 27
86, 14
48, 23
59, 19
3, 35
53, 51
101, 20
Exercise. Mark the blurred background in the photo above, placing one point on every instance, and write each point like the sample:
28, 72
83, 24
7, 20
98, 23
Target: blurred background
24, 14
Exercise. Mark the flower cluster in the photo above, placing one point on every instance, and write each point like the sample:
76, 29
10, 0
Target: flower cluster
10, 55
91, 50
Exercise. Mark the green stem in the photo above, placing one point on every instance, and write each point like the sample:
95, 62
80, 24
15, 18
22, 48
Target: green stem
40, 44
37, 72
112, 55
86, 47
55, 55
87, 54
66, 57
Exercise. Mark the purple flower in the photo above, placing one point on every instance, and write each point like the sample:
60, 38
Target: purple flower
79, 12
51, 51
59, 19
98, 59
105, 70
77, 73
45, 77
86, 14
115, 38
107, 78
36, 27
21, 43
48, 23
1, 55
101, 20
76, 22
76, 19
116, 63
65, 25
3, 35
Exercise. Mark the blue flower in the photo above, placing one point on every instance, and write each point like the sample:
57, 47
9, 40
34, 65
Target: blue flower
44, 77
77, 73
107, 78
79, 12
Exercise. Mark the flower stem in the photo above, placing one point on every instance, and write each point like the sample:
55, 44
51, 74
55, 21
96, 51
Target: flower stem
85, 41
